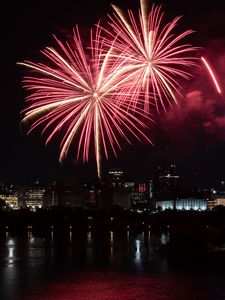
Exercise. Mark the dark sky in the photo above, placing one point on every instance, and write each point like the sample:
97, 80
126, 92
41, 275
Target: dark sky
191, 135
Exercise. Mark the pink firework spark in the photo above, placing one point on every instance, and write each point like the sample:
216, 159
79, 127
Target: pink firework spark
209, 69
151, 54
76, 93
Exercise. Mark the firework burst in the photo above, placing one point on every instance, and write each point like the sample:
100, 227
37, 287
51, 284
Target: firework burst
77, 93
151, 55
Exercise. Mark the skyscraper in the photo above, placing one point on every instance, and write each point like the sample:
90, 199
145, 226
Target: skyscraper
166, 183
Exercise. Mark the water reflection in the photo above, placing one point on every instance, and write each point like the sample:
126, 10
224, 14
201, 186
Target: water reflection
165, 238
89, 238
11, 248
7, 234
128, 235
138, 252
111, 237
30, 260
89, 248
115, 248
8, 272
111, 246
71, 236
52, 236
30, 236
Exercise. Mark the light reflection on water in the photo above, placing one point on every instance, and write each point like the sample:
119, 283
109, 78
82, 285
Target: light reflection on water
165, 238
138, 252
111, 256
109, 265
11, 257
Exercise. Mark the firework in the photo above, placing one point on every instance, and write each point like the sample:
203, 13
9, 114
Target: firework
151, 54
209, 69
77, 93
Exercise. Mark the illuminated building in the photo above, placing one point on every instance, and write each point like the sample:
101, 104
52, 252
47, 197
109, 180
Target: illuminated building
215, 202
9, 195
140, 197
10, 200
217, 198
191, 203
129, 185
183, 204
116, 179
51, 195
150, 189
31, 195
164, 204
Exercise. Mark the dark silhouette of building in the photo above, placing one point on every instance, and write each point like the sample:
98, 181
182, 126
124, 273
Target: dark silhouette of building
166, 182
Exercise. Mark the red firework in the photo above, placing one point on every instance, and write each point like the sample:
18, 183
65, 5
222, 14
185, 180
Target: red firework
77, 92
150, 54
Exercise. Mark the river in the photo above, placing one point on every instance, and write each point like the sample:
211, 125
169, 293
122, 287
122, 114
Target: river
105, 265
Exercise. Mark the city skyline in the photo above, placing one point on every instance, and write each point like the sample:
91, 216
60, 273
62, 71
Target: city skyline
152, 224
191, 136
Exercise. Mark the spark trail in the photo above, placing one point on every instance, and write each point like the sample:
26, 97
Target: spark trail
211, 73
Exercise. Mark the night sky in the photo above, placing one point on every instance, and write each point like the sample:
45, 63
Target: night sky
191, 135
